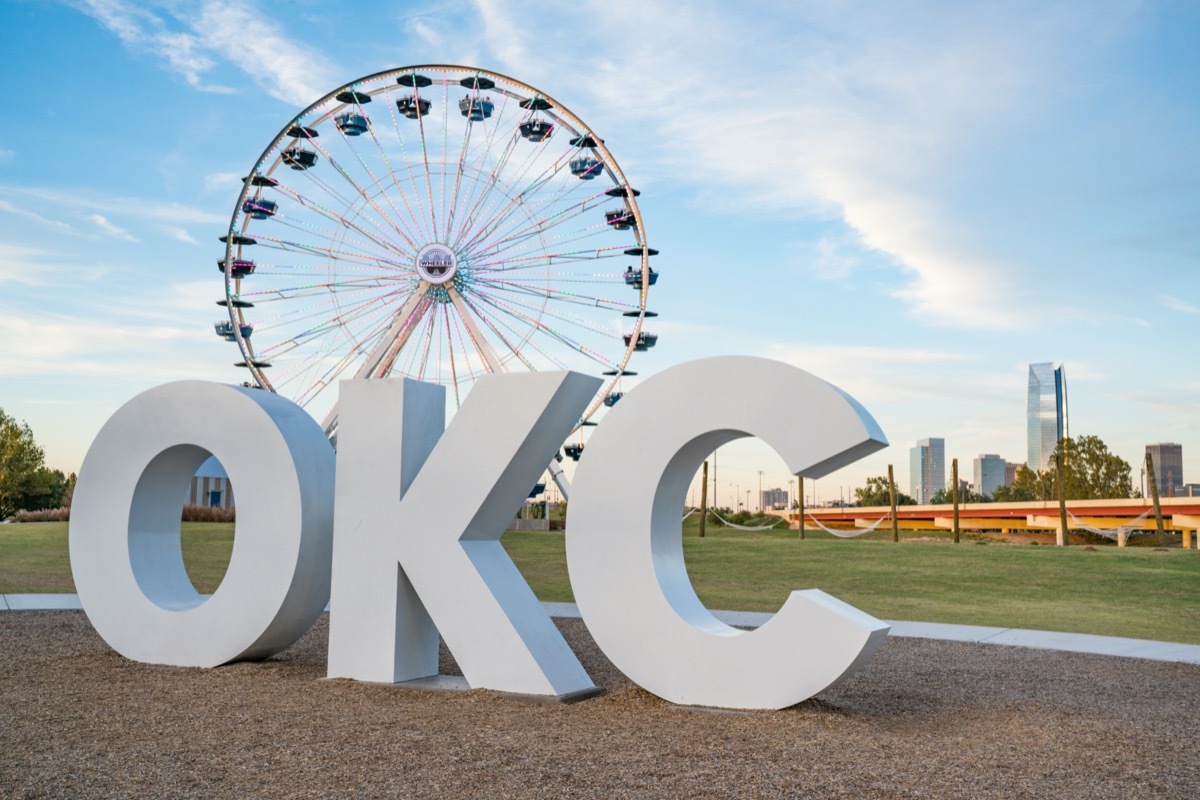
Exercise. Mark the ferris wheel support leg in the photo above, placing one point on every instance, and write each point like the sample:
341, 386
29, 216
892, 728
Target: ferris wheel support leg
560, 479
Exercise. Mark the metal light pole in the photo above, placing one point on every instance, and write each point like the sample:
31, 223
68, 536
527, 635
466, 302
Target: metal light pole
760, 502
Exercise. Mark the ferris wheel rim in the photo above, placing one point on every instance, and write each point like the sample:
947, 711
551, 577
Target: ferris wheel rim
323, 110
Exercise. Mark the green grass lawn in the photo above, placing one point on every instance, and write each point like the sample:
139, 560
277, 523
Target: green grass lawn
1135, 592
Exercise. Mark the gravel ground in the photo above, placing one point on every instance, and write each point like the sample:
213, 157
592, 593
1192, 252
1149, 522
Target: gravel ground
923, 719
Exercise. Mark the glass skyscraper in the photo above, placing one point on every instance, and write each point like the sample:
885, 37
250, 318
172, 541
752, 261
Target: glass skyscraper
990, 472
926, 469
1046, 413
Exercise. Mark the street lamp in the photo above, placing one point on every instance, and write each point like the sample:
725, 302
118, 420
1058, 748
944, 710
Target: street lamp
760, 502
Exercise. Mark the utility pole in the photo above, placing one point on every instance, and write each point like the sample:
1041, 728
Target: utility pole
954, 495
892, 498
1063, 535
703, 499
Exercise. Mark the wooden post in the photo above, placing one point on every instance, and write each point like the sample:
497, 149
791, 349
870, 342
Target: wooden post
954, 496
892, 500
1153, 481
800, 491
1063, 536
703, 498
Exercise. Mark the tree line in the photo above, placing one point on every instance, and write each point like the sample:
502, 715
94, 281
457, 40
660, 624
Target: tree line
26, 483
1090, 472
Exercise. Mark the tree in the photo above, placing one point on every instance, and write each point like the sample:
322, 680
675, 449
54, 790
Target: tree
1090, 472
943, 497
1015, 492
875, 493
20, 462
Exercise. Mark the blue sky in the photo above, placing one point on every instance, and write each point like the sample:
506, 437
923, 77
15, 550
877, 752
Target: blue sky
911, 200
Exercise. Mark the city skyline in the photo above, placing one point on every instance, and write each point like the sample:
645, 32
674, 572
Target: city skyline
925, 215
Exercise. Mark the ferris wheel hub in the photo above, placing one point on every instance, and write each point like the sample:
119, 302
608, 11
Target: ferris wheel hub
436, 263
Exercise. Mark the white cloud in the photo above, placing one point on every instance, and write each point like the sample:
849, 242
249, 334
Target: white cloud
191, 42
84, 200
140, 29
6, 154
285, 69
16, 210
867, 112
180, 234
426, 32
1175, 304
223, 181
109, 229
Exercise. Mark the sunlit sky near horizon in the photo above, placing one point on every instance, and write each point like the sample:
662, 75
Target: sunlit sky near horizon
911, 200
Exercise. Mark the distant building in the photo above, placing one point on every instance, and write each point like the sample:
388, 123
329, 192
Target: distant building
926, 469
990, 473
210, 486
1046, 413
1010, 472
774, 498
1168, 468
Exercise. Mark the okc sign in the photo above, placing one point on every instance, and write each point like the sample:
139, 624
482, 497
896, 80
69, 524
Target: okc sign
403, 538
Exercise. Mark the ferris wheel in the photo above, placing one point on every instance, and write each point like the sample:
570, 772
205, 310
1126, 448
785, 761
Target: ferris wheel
438, 223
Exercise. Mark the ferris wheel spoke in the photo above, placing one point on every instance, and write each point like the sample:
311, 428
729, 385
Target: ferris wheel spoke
379, 361
384, 244
481, 344
530, 261
429, 214
546, 307
489, 184
553, 219
344, 320
468, 309
388, 257
539, 326
367, 198
517, 202
558, 295
492, 178
412, 234
418, 216
517, 205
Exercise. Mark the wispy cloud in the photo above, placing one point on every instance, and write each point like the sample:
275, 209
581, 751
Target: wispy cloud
1175, 304
223, 181
192, 42
287, 70
83, 201
37, 266
141, 29
866, 112
179, 234
109, 229
16, 210
6, 154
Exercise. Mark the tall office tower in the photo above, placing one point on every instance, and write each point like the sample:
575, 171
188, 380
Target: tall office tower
1046, 413
989, 473
1168, 468
926, 469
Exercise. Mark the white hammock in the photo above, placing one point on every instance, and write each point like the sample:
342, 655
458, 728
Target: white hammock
1134, 524
852, 533
746, 527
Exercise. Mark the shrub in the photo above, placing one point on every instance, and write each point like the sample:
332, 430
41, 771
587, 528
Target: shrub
195, 513
44, 515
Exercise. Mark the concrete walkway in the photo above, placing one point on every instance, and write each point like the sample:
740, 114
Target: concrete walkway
1017, 637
